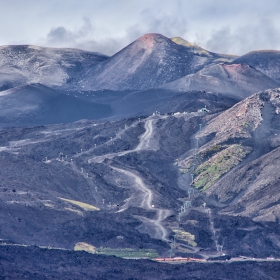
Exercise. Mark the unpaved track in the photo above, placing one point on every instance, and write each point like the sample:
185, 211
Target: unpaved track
146, 142
142, 196
144, 200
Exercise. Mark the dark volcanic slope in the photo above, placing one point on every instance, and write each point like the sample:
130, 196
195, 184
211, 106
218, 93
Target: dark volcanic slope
238, 80
166, 101
37, 104
266, 61
26, 64
150, 61
57, 264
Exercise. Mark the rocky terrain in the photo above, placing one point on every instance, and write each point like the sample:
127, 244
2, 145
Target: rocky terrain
178, 158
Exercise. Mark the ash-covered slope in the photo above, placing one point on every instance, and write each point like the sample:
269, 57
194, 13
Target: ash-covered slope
27, 64
266, 61
150, 61
164, 101
237, 80
18, 262
37, 105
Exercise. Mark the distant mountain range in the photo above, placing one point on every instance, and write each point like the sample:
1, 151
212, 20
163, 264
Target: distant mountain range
154, 64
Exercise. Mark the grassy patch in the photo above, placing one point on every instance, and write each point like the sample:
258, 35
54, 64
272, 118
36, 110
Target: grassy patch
185, 236
211, 151
222, 162
128, 252
84, 206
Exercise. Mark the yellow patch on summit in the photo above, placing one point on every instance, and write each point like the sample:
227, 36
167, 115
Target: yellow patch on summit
84, 206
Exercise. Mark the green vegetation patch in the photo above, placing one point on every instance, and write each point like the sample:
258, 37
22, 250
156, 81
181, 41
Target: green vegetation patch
211, 151
210, 171
128, 252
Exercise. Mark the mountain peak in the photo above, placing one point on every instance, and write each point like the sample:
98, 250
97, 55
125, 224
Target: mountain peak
150, 39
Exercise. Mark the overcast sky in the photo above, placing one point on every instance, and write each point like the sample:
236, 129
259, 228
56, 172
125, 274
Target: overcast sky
233, 27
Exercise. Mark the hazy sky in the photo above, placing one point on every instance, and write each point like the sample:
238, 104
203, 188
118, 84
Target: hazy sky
235, 27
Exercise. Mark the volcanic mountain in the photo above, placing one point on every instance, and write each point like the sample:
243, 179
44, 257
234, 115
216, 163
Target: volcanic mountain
27, 64
236, 80
150, 61
266, 61
179, 157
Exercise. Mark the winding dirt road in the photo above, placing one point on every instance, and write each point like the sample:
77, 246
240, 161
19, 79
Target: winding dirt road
142, 195
147, 142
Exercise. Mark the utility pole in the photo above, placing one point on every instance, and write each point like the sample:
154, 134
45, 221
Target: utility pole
170, 251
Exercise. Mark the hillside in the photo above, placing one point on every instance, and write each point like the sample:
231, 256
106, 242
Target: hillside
266, 61
38, 105
235, 80
52, 67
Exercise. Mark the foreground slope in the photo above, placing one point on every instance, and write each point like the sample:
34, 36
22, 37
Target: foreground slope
54, 264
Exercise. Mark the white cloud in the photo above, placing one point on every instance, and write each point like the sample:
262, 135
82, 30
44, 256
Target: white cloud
108, 25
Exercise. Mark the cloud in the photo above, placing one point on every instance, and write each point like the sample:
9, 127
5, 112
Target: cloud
61, 35
107, 25
84, 36
243, 39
